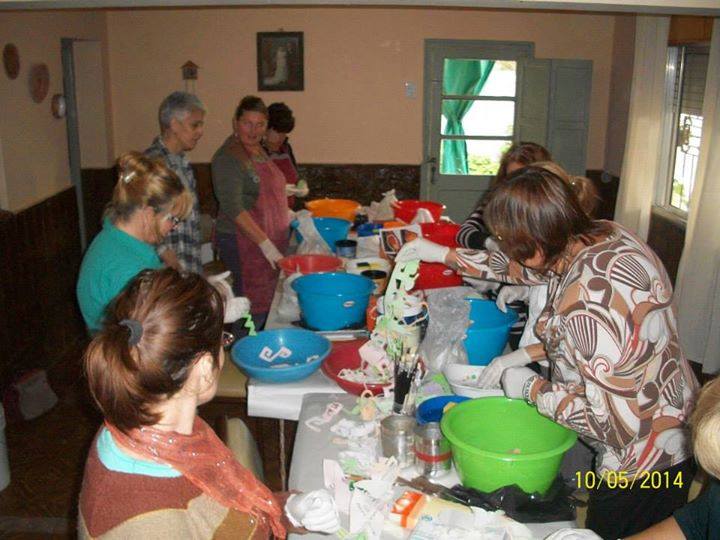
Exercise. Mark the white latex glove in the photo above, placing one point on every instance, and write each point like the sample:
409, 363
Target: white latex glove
422, 249
573, 534
491, 245
292, 215
511, 293
270, 252
316, 511
516, 382
490, 376
235, 306
300, 189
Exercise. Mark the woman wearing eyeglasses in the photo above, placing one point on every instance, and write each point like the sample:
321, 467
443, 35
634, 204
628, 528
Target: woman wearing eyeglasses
148, 202
618, 376
155, 469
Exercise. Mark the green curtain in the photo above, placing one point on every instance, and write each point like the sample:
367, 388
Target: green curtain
460, 78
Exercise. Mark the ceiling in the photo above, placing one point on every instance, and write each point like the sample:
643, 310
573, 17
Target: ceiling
688, 7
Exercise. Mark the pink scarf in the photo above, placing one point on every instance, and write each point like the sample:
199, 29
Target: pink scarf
210, 465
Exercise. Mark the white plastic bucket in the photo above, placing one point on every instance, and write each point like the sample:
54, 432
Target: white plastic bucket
4, 465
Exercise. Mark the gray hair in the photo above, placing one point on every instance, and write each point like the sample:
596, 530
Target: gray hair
178, 105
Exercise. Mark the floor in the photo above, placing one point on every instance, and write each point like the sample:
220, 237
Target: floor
46, 457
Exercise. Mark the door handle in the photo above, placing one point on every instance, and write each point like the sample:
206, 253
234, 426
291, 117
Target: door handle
432, 161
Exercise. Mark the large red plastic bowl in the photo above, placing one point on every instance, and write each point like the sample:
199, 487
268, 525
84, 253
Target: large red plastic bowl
442, 233
309, 264
345, 355
406, 210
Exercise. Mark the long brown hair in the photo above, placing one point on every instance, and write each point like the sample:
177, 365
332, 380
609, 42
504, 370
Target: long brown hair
536, 210
177, 318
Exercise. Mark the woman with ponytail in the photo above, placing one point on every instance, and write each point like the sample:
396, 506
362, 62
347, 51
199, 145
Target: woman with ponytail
155, 469
618, 376
147, 203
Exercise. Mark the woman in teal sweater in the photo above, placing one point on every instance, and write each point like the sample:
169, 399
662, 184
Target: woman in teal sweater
148, 202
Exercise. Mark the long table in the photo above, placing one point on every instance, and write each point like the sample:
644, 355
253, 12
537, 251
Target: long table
311, 448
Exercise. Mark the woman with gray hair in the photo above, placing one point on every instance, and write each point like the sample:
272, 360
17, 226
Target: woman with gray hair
182, 122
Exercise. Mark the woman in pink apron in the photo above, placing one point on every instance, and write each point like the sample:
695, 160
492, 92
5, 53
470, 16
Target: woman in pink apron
250, 189
280, 123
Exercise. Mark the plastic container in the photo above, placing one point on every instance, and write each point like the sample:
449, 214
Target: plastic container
368, 229
4, 464
333, 301
379, 277
431, 410
346, 248
406, 210
330, 229
498, 442
334, 208
281, 355
309, 264
488, 332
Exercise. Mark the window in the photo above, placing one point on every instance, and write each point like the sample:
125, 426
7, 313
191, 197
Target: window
478, 114
685, 83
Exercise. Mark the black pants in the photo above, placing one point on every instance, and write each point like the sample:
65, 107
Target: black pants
617, 513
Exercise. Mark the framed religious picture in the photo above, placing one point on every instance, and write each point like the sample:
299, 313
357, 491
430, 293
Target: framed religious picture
280, 61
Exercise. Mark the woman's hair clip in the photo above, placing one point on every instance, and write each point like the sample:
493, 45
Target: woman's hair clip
136, 330
127, 177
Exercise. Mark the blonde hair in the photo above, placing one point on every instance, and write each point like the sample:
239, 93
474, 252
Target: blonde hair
705, 422
144, 182
583, 187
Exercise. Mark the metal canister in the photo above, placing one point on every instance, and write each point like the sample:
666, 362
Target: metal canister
396, 436
432, 450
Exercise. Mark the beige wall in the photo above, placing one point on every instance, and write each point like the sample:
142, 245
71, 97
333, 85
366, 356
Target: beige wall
353, 109
34, 143
623, 55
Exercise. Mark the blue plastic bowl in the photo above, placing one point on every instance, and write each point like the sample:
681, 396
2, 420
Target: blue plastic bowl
330, 229
488, 332
431, 410
281, 355
332, 301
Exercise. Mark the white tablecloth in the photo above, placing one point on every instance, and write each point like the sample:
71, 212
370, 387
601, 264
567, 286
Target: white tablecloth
283, 401
311, 448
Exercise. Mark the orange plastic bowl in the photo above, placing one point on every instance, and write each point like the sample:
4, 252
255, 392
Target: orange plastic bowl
337, 208
406, 210
309, 264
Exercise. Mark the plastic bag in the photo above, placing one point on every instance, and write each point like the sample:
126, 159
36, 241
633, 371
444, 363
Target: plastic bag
312, 242
449, 318
558, 504
288, 307
383, 210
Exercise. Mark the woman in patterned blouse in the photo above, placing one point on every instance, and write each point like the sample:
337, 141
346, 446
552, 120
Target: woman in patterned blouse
618, 375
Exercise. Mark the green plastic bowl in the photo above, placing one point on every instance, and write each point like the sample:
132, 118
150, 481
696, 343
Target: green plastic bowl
498, 442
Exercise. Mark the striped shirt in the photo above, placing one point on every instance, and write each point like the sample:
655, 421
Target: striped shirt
473, 232
184, 239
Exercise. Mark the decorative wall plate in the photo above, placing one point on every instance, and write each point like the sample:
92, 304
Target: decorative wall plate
39, 82
11, 61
